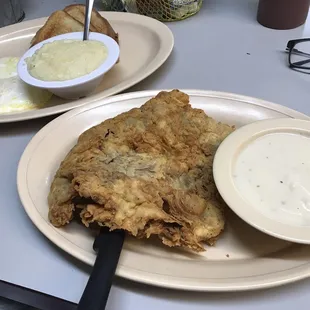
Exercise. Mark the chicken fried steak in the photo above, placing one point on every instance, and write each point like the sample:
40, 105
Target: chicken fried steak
147, 171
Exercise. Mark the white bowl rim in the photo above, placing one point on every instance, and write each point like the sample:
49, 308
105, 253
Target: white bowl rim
113, 55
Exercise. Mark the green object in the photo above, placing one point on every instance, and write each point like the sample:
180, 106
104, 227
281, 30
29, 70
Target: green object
164, 10
112, 5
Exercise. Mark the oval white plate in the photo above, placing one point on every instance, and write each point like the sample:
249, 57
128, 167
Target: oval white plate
243, 258
154, 41
223, 166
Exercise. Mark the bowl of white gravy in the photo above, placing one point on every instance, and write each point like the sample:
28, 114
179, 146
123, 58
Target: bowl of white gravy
262, 171
68, 66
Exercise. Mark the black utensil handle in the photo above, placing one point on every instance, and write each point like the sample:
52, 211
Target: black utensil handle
109, 245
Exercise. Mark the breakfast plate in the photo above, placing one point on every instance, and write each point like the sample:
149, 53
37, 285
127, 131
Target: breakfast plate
145, 44
242, 259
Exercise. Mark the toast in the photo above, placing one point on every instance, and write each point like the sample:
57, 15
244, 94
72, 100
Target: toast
97, 22
71, 19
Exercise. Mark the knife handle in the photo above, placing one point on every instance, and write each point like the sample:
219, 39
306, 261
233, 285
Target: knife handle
109, 246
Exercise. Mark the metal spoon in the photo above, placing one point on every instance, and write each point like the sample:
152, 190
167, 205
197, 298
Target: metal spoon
89, 8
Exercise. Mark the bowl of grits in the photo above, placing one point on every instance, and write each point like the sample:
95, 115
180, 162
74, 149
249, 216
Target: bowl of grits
67, 66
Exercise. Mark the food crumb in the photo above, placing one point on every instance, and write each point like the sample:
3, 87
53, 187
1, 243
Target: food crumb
281, 182
227, 255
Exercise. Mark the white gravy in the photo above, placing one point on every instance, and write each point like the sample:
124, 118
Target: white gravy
273, 174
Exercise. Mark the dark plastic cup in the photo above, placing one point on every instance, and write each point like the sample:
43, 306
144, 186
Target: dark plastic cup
11, 12
282, 14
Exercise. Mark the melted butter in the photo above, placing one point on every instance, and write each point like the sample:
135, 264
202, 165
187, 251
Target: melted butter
273, 174
66, 59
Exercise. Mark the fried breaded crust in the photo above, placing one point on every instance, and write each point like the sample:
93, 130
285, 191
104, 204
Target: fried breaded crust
148, 171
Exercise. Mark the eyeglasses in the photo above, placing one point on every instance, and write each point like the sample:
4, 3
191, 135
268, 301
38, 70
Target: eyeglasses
299, 54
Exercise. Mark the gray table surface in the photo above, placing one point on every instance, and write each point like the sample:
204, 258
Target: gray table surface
221, 48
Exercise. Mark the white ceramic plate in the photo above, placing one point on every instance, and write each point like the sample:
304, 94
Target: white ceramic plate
145, 44
243, 258
282, 223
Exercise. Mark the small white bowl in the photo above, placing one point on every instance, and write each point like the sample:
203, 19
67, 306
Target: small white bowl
78, 87
262, 172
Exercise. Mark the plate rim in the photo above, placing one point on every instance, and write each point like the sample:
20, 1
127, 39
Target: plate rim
166, 46
167, 281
